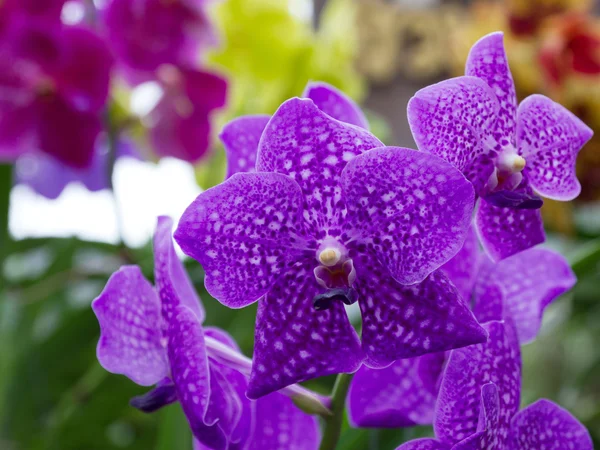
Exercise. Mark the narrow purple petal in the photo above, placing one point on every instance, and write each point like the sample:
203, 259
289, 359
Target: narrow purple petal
455, 120
128, 311
280, 425
391, 398
424, 444
335, 103
243, 232
312, 148
411, 209
549, 137
462, 269
240, 138
529, 282
486, 437
405, 321
497, 361
545, 425
173, 285
504, 232
293, 341
487, 61
191, 375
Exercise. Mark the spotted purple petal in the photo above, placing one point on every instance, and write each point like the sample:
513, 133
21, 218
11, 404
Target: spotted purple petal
462, 269
392, 397
545, 425
486, 437
455, 120
497, 361
280, 425
172, 282
549, 137
409, 208
128, 311
240, 138
293, 341
335, 103
529, 282
504, 232
424, 444
306, 144
243, 232
191, 375
405, 321
487, 61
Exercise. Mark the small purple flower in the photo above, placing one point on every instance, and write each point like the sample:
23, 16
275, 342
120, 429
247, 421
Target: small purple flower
478, 404
145, 34
54, 79
330, 218
518, 288
49, 177
155, 336
509, 153
179, 125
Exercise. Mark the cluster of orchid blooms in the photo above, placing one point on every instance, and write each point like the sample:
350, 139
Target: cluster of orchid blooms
438, 246
63, 63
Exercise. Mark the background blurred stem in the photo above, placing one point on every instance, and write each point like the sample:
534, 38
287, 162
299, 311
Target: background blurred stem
587, 259
333, 424
5, 187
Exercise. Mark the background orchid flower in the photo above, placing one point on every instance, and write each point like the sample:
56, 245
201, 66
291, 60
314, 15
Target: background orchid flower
518, 288
478, 405
49, 177
155, 336
508, 152
54, 85
325, 222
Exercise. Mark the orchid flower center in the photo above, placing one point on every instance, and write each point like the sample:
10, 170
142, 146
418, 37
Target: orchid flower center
336, 274
507, 175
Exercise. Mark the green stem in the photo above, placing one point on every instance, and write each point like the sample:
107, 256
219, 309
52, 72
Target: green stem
586, 259
333, 423
6, 171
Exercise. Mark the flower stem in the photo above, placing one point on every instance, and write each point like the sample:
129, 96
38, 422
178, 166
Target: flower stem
307, 400
333, 424
6, 171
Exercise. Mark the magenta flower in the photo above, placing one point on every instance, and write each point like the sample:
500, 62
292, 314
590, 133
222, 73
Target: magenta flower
54, 82
509, 153
155, 336
330, 218
179, 125
145, 34
518, 288
478, 404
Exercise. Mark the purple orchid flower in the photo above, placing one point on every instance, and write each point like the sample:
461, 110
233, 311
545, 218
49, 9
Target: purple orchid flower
179, 124
330, 218
155, 336
518, 288
49, 177
54, 83
478, 404
145, 34
240, 137
509, 153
